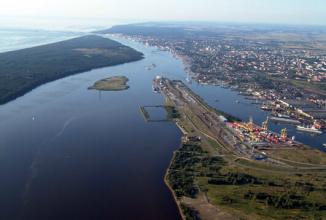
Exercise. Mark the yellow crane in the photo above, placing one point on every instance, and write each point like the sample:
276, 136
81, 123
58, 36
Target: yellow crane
250, 124
265, 124
284, 134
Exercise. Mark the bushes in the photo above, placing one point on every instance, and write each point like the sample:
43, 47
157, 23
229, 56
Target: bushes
190, 213
234, 179
182, 171
172, 112
227, 200
285, 200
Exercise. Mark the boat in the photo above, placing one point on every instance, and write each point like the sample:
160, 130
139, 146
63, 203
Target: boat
266, 108
225, 86
311, 129
284, 118
324, 145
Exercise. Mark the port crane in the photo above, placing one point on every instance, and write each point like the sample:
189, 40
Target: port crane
265, 124
284, 134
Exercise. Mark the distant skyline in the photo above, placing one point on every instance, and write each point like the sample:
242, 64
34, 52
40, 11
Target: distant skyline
103, 12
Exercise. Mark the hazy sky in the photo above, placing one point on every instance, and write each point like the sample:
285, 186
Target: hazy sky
271, 11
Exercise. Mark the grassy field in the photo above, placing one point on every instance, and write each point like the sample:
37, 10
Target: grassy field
258, 194
244, 189
291, 40
207, 174
115, 83
319, 88
303, 156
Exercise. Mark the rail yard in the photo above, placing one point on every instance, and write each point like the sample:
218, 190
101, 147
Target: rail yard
226, 165
244, 139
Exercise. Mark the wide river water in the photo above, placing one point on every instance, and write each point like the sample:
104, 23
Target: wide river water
67, 152
14, 39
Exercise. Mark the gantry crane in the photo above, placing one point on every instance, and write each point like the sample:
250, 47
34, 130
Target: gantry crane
265, 124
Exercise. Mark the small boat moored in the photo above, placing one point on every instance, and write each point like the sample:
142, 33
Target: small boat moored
266, 108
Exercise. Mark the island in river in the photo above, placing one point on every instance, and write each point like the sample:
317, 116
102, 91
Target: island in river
114, 83
24, 70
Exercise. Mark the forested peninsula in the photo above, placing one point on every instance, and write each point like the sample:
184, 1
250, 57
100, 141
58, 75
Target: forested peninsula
24, 70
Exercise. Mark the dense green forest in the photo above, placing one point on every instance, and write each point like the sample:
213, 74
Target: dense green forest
23, 70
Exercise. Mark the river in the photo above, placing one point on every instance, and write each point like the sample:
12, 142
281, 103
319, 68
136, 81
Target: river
230, 101
70, 153
14, 39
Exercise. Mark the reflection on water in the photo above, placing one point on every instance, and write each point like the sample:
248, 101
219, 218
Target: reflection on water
70, 153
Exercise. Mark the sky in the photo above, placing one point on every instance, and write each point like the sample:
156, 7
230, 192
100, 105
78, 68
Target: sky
106, 11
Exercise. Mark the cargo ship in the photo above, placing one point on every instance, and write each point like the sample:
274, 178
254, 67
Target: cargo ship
156, 84
311, 129
284, 119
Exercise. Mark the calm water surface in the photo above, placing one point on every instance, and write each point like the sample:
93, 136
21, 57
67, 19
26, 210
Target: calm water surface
231, 102
70, 153
226, 100
13, 39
